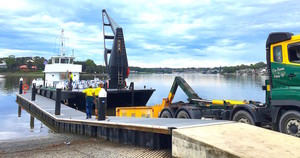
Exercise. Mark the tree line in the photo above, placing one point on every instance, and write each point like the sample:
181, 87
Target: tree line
225, 69
13, 64
89, 66
233, 69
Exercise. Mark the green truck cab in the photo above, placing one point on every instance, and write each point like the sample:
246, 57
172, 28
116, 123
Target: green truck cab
283, 94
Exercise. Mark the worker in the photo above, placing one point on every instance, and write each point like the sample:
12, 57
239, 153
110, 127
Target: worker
70, 80
89, 97
97, 90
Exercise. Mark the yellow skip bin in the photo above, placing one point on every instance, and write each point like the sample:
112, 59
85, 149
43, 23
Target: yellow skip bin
139, 111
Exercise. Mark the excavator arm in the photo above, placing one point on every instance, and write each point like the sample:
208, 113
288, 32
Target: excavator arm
187, 89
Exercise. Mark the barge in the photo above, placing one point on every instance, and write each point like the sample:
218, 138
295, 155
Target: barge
119, 94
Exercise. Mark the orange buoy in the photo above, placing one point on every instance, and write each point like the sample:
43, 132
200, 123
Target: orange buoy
25, 88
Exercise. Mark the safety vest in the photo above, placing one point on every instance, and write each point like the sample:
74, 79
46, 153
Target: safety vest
97, 90
71, 76
89, 92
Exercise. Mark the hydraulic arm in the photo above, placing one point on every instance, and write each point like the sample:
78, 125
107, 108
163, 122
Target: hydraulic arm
179, 81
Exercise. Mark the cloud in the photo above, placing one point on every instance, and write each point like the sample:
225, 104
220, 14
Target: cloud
175, 33
14, 5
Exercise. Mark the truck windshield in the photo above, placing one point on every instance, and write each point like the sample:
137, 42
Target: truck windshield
294, 52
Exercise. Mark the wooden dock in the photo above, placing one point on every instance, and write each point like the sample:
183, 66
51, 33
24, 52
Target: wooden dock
155, 133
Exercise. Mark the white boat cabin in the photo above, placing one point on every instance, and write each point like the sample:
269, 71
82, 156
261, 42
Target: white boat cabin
58, 70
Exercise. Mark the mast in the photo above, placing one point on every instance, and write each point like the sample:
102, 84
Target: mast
62, 51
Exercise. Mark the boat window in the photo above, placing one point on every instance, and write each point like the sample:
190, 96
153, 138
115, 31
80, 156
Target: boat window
277, 54
294, 52
56, 60
71, 61
64, 61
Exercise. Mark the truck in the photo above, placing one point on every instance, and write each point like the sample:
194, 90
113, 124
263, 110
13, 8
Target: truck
281, 109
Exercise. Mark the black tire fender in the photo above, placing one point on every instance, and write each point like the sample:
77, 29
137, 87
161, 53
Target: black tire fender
290, 119
168, 109
243, 115
193, 112
251, 109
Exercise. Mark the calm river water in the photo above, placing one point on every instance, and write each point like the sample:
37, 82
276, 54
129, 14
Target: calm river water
207, 87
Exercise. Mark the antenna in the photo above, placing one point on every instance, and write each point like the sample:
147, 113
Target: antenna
62, 51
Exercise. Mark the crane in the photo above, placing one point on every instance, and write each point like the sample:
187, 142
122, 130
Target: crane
117, 64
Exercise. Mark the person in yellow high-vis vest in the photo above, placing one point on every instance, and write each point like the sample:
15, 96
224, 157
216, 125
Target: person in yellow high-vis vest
70, 78
97, 90
89, 97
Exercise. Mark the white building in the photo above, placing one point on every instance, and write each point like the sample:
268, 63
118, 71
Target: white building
3, 65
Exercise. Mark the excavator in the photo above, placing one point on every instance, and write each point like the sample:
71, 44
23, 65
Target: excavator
281, 109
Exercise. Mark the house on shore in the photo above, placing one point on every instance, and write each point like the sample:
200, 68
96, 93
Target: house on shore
3, 65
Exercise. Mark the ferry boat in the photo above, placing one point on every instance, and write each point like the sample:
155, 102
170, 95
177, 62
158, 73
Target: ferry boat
56, 72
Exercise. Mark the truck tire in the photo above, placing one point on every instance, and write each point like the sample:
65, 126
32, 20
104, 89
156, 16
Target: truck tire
243, 117
166, 114
183, 114
289, 123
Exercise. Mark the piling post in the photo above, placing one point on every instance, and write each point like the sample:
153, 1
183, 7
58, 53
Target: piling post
31, 122
21, 86
58, 101
131, 86
19, 111
33, 92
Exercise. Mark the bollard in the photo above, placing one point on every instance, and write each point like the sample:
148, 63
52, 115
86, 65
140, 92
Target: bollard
33, 92
131, 86
57, 101
101, 103
21, 86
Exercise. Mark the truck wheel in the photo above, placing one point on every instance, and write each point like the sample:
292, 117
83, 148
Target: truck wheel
183, 114
243, 117
289, 123
166, 114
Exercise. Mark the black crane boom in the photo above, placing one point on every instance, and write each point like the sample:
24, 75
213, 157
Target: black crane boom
117, 66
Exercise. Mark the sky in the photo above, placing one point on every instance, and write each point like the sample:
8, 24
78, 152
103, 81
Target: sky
158, 33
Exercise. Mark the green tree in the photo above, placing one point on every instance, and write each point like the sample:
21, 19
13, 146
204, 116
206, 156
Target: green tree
10, 62
39, 62
90, 69
90, 66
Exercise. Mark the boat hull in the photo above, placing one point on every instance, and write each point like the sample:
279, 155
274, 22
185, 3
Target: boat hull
115, 98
